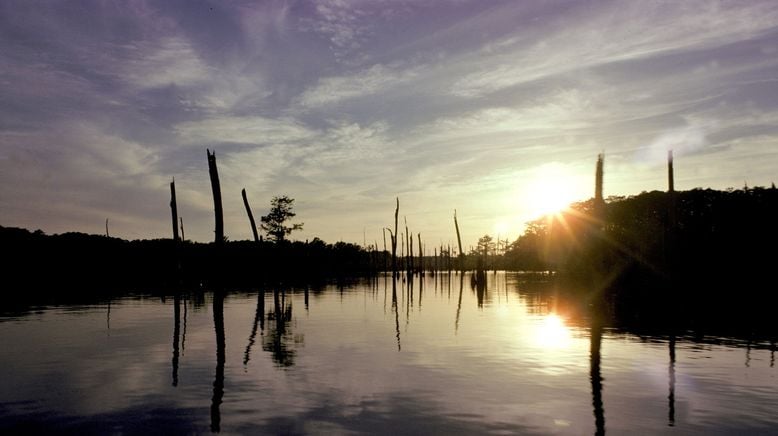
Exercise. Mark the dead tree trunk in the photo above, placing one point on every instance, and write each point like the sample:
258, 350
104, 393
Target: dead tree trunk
409, 245
599, 202
217, 198
672, 220
459, 241
596, 255
174, 220
251, 215
174, 209
420, 267
383, 254
394, 239
410, 254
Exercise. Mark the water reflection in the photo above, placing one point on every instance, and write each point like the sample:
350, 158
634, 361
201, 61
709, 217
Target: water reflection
183, 333
396, 312
478, 283
552, 332
671, 377
408, 300
259, 321
459, 302
595, 338
218, 382
176, 333
279, 336
511, 328
421, 289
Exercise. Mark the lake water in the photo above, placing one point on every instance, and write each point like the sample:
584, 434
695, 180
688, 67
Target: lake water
437, 357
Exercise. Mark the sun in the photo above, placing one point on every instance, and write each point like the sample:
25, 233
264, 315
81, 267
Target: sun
551, 190
502, 227
548, 197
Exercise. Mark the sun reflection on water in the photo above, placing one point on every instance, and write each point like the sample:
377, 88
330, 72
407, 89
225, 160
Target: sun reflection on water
552, 333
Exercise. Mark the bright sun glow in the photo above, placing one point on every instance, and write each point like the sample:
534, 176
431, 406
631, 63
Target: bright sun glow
502, 228
551, 190
552, 332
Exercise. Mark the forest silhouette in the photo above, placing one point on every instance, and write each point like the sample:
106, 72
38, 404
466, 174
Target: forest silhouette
636, 250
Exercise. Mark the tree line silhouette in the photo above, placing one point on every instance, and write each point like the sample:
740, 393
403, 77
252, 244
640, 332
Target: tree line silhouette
719, 234
718, 238
73, 263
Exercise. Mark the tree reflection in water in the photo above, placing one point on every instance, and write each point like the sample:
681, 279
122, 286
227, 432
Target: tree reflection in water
259, 321
396, 312
671, 377
275, 326
594, 372
459, 303
218, 383
176, 334
279, 335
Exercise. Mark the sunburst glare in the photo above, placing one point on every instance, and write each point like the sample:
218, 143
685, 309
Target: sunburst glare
550, 191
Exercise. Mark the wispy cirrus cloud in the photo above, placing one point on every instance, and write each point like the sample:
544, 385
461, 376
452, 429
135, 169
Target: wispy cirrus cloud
604, 34
246, 130
169, 61
368, 82
341, 22
92, 174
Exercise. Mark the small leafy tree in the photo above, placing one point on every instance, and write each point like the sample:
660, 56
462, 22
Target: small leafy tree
486, 245
280, 212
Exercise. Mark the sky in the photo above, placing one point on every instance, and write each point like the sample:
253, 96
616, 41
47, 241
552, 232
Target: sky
497, 109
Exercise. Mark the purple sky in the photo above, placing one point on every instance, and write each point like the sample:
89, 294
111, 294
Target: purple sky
486, 107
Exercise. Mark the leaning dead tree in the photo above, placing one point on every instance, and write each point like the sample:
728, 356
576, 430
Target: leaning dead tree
459, 241
176, 240
217, 198
251, 215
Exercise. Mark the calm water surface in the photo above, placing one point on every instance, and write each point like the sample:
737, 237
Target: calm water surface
437, 357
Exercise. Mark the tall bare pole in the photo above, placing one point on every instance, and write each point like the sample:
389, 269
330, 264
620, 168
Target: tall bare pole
174, 209
672, 218
599, 201
598, 176
420, 266
217, 198
459, 241
394, 238
596, 252
384, 252
251, 215
409, 245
